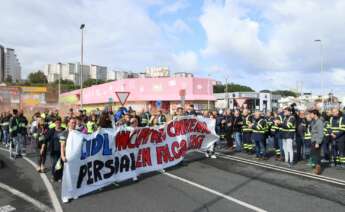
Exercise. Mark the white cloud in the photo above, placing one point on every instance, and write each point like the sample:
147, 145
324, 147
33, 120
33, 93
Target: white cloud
181, 26
185, 62
276, 38
176, 29
118, 33
338, 76
174, 7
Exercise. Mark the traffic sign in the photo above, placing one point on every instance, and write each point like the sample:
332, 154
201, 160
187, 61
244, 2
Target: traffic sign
122, 96
158, 104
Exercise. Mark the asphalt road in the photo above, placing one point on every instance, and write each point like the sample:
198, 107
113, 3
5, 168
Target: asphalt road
199, 185
20, 176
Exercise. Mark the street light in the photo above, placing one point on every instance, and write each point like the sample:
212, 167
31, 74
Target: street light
321, 67
59, 82
208, 87
226, 76
81, 65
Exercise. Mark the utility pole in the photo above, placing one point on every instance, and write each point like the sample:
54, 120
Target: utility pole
60, 67
226, 91
208, 87
321, 68
81, 65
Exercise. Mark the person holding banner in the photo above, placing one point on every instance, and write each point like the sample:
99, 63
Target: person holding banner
71, 126
55, 136
210, 153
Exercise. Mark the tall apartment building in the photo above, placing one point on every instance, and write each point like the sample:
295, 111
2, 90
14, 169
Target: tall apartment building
117, 75
10, 67
157, 72
98, 72
68, 71
2, 63
183, 74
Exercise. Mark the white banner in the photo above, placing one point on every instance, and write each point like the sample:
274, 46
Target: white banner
115, 155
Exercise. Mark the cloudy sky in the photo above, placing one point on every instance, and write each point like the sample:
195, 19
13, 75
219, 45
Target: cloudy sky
263, 44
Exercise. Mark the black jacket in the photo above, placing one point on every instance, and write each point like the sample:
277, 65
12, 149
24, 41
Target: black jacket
237, 123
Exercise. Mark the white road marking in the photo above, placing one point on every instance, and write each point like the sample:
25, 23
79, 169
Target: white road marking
7, 208
49, 186
244, 204
56, 204
25, 197
286, 170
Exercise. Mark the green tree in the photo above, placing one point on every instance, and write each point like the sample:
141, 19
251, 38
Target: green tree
37, 78
8, 79
64, 82
285, 93
90, 82
66, 85
265, 91
232, 87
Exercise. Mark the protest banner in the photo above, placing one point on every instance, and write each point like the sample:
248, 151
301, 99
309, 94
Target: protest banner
114, 155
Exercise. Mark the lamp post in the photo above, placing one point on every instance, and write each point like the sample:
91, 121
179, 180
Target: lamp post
81, 65
226, 76
59, 82
208, 87
321, 67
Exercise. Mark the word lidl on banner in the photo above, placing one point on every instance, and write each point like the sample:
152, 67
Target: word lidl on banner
115, 155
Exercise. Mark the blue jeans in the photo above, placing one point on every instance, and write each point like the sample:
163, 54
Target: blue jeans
280, 142
306, 149
54, 158
5, 136
260, 148
238, 141
270, 142
18, 142
299, 147
326, 148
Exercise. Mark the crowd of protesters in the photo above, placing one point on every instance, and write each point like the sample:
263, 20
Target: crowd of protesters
287, 134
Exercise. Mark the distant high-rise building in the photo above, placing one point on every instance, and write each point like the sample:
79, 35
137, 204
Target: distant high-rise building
117, 75
157, 72
2, 63
71, 71
10, 67
98, 72
111, 75
183, 74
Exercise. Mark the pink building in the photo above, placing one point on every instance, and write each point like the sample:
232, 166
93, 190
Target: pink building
145, 92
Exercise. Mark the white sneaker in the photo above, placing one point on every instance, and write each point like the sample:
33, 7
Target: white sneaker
213, 156
207, 155
135, 179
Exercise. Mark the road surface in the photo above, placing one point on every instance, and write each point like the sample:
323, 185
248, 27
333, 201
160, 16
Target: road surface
200, 184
